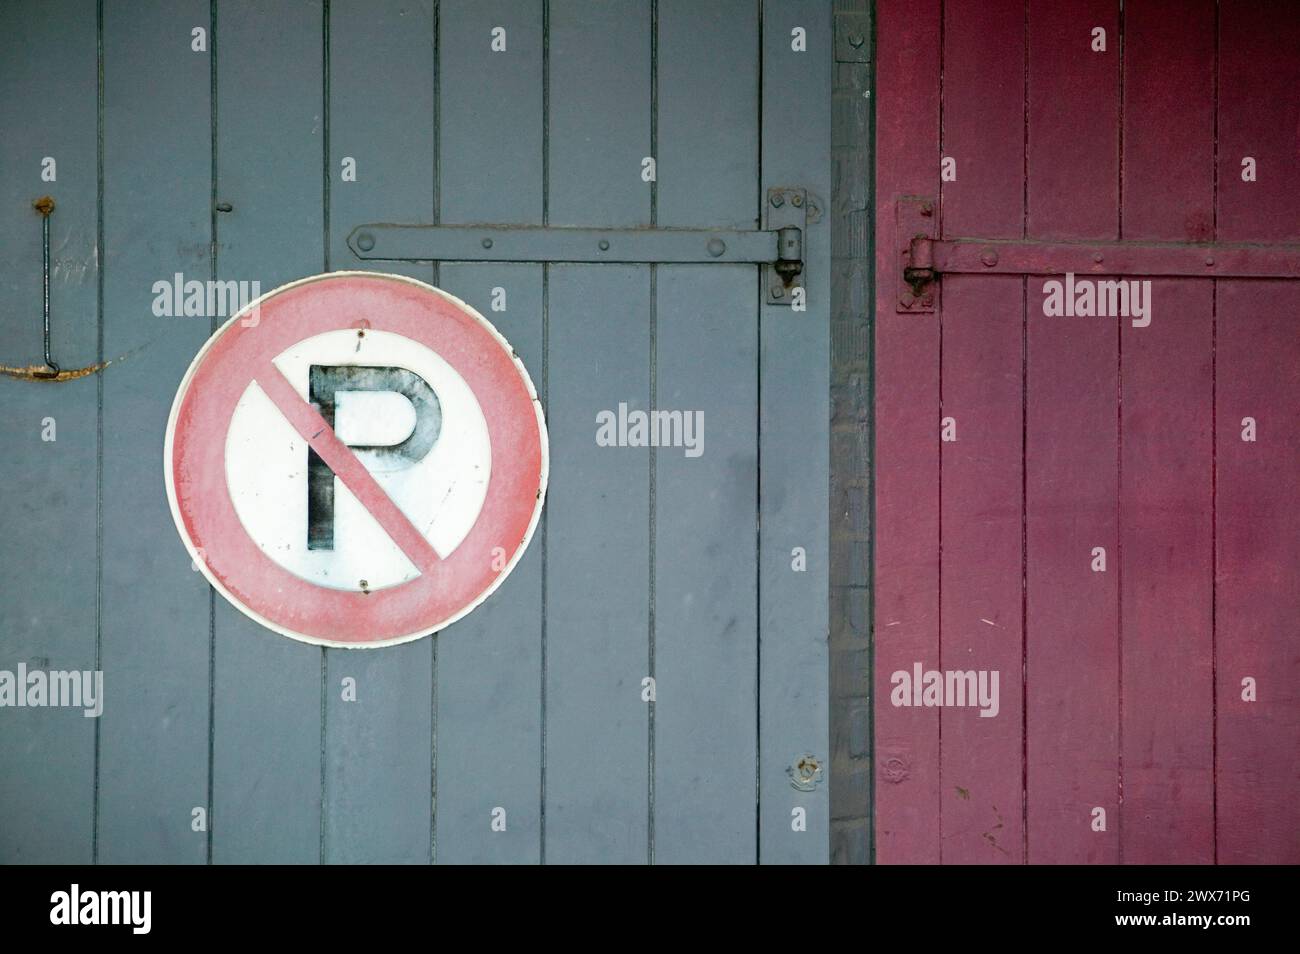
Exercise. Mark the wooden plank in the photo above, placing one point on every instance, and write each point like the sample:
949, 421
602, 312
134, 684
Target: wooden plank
1257, 376
980, 605
982, 506
378, 749
706, 360
1073, 153
1257, 118
1166, 469
907, 442
489, 675
267, 705
154, 734
597, 532
1258, 551
489, 664
48, 510
1071, 465
794, 415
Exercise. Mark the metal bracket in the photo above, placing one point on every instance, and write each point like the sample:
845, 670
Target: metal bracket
924, 259
788, 213
914, 219
779, 249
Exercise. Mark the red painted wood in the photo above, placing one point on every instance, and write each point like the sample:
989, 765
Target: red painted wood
1257, 484
1072, 644
1258, 552
1259, 117
981, 609
1073, 127
1133, 696
1166, 576
982, 326
907, 442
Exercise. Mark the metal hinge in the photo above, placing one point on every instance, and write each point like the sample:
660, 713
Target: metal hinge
925, 258
779, 248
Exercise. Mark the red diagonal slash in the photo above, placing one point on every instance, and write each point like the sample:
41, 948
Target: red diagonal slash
309, 424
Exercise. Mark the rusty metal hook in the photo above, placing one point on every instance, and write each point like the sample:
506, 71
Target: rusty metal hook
45, 206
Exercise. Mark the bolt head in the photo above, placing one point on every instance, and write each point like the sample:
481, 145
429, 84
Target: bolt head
908, 301
1209, 260
1097, 257
778, 200
796, 200
927, 209
778, 291
604, 245
927, 301
487, 243
365, 241
716, 247
989, 258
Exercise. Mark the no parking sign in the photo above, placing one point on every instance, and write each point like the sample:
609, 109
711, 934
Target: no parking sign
356, 459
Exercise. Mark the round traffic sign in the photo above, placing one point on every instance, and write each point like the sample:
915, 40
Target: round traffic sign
356, 459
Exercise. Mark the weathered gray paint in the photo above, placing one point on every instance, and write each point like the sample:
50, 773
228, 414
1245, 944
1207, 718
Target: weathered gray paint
489, 673
647, 562
706, 358
598, 523
267, 715
47, 508
794, 368
155, 610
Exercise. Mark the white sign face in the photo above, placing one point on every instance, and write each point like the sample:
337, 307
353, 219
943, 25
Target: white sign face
360, 466
441, 493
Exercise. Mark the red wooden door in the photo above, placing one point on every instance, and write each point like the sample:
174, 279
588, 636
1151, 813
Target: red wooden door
1100, 509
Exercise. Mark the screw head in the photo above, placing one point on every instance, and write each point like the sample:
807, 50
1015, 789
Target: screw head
604, 245
365, 241
989, 258
796, 200
1209, 260
716, 247
487, 243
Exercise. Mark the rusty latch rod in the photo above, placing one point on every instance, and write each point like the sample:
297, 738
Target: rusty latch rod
45, 206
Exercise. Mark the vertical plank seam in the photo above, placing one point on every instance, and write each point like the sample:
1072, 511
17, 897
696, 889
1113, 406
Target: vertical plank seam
325, 245
99, 402
652, 456
437, 281
213, 324
758, 471
1214, 472
1119, 477
1024, 457
546, 398
938, 214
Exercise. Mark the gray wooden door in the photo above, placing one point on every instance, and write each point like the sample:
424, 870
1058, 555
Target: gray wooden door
213, 140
